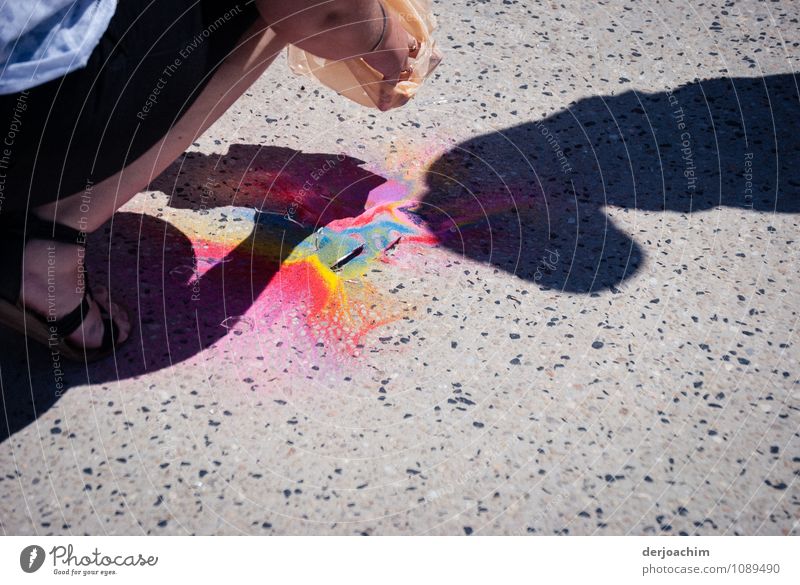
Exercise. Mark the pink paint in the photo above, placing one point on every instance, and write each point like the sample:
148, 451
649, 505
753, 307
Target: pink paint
248, 292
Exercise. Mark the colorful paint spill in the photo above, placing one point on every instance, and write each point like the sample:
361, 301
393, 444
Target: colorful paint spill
343, 305
297, 238
283, 250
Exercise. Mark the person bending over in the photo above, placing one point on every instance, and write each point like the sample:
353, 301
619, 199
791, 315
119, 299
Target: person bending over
101, 97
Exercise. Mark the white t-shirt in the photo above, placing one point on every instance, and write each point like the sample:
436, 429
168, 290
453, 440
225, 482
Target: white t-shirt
41, 40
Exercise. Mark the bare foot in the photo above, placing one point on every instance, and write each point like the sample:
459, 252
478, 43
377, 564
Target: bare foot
53, 285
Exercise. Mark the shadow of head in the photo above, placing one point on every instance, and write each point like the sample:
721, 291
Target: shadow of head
310, 188
536, 199
181, 302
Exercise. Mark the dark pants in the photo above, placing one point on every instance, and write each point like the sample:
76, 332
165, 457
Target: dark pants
60, 138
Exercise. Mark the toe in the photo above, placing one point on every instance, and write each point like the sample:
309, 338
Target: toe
116, 312
121, 320
92, 331
100, 294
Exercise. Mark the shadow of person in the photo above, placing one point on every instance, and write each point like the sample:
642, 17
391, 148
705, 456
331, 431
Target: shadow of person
538, 199
154, 269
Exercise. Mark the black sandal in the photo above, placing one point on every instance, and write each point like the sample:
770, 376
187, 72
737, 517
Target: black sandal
16, 231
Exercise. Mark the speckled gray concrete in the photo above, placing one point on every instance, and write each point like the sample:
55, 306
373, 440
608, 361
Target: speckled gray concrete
644, 381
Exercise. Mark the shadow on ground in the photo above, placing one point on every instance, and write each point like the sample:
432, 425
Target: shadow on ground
534, 197
153, 266
731, 142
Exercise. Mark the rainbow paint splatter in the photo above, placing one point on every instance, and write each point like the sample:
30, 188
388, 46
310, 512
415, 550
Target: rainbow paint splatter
296, 270
308, 299
340, 306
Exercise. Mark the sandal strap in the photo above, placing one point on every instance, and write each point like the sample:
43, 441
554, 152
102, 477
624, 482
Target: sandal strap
16, 230
13, 249
67, 324
109, 334
35, 228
